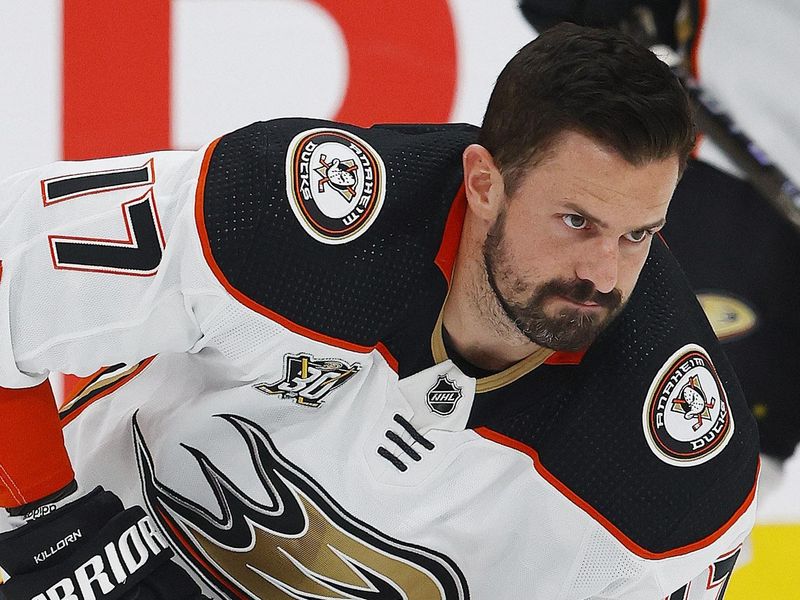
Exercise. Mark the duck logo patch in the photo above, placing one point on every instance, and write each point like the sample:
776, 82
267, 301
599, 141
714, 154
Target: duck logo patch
686, 417
335, 182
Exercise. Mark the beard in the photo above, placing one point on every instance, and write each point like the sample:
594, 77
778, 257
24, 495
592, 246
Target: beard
570, 329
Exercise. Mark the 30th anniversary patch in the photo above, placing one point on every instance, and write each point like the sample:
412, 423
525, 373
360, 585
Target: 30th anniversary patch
335, 183
686, 417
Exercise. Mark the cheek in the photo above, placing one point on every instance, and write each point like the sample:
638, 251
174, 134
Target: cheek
537, 257
541, 249
562, 253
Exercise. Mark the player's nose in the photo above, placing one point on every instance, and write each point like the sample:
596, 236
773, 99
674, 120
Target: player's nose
600, 265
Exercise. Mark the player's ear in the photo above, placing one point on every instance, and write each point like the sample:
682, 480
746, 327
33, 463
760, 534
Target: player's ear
483, 182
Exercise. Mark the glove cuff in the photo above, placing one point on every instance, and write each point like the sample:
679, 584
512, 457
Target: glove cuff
58, 534
119, 556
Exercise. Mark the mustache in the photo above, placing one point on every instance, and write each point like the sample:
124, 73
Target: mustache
580, 290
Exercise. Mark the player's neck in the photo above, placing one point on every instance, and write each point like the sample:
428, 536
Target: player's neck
479, 330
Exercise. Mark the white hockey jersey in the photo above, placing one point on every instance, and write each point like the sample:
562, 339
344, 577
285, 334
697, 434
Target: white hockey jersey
278, 392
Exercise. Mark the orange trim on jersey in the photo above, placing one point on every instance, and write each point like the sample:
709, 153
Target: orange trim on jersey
565, 358
83, 382
76, 386
503, 440
448, 250
33, 459
252, 304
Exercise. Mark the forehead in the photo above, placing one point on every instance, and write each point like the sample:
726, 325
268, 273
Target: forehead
583, 172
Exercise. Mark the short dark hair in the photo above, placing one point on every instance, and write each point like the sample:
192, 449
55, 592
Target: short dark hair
598, 82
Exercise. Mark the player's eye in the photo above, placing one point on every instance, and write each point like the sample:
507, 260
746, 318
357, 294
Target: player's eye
575, 221
638, 236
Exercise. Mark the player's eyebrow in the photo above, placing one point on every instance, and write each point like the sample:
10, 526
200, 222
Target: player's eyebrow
656, 225
596, 220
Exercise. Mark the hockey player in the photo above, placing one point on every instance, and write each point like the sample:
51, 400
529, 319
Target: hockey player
747, 288
399, 362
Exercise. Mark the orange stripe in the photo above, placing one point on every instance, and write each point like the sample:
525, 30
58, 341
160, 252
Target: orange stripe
448, 251
33, 460
76, 385
595, 514
249, 302
565, 358
73, 415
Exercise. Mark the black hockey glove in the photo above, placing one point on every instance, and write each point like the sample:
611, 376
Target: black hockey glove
91, 548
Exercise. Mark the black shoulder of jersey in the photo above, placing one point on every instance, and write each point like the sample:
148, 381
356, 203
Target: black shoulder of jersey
750, 290
596, 429
297, 222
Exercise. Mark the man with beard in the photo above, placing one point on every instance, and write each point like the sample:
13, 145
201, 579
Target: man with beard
467, 369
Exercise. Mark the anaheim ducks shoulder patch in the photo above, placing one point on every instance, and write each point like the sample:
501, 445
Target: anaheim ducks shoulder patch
335, 183
686, 417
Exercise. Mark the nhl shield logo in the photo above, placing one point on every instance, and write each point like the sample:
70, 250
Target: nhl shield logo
442, 397
686, 418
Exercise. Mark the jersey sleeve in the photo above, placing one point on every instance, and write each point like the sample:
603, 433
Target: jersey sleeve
98, 264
